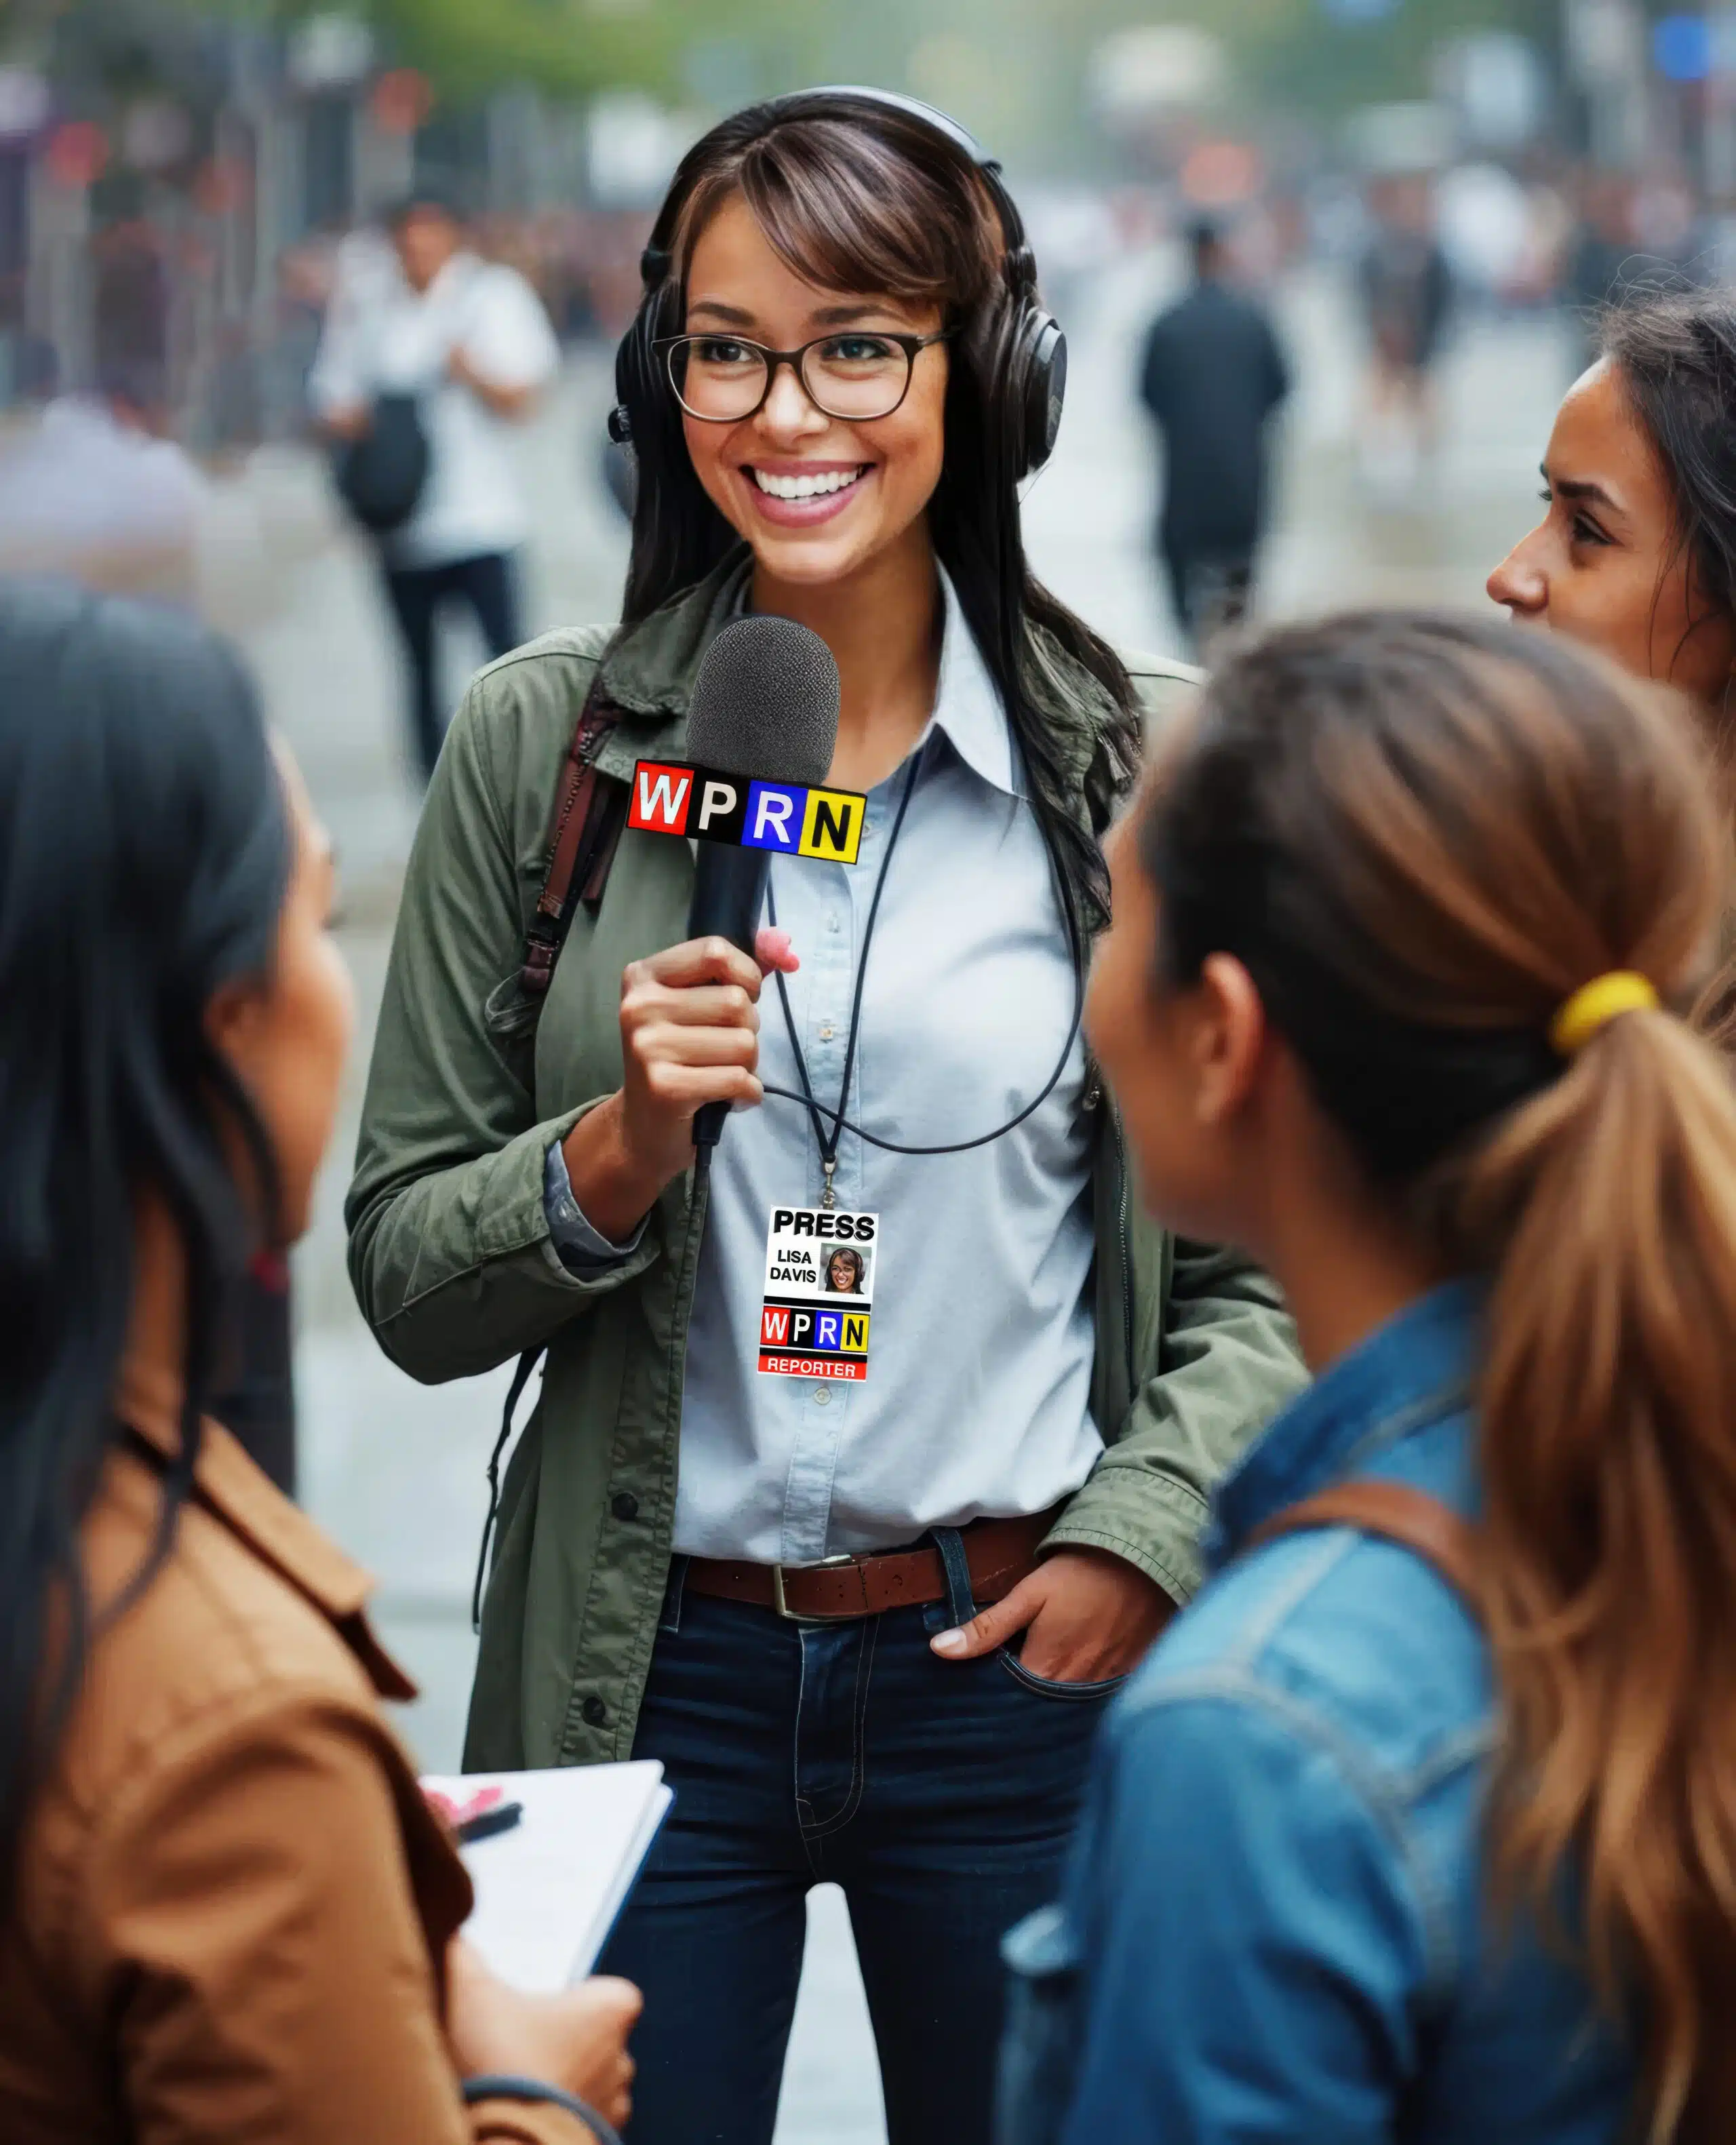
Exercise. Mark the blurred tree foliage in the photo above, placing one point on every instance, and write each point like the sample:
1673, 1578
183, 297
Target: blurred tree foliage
567, 47
1326, 59
1015, 69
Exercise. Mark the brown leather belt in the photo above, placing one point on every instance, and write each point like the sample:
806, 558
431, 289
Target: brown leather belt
998, 1553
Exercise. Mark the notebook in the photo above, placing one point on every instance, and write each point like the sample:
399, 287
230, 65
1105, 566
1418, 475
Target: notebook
548, 1892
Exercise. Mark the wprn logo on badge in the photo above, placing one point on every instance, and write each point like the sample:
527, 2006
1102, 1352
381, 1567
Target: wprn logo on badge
819, 1286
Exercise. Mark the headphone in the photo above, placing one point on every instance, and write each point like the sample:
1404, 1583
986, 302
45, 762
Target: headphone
1030, 360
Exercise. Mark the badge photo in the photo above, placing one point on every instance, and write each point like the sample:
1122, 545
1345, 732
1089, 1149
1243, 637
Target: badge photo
820, 1271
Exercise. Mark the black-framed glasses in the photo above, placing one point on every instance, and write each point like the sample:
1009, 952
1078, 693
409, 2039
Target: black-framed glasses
856, 374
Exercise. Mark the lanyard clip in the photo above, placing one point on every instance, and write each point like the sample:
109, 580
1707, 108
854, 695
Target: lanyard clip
828, 1198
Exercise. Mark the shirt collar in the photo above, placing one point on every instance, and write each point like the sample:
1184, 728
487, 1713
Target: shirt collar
967, 702
648, 670
452, 275
1414, 1369
252, 1508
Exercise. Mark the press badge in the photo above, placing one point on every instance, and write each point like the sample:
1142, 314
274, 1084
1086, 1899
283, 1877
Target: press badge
819, 1287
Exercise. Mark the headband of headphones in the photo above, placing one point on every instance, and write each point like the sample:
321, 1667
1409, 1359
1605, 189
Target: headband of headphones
655, 261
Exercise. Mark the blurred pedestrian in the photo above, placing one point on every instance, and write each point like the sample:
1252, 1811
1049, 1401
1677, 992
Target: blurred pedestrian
463, 348
1603, 261
1212, 373
93, 487
866, 1624
226, 1912
1636, 551
1406, 289
1417, 1827
29, 363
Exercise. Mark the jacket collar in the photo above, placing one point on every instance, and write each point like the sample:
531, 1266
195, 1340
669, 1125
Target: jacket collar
229, 1484
1415, 1369
649, 670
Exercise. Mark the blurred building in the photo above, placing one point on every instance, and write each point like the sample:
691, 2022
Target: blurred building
173, 181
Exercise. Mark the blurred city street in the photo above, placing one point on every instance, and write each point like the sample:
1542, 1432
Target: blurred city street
395, 1470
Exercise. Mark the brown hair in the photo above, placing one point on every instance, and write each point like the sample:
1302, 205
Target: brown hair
1420, 836
858, 195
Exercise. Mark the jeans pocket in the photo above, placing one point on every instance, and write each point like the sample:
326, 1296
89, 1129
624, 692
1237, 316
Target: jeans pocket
1040, 2041
1046, 1687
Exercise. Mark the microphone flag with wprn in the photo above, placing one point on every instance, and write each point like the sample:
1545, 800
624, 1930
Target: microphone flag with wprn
765, 706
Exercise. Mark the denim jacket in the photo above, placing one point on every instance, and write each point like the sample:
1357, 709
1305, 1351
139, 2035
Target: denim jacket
1276, 1924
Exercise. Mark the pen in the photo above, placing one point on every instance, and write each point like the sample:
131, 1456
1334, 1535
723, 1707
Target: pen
487, 1822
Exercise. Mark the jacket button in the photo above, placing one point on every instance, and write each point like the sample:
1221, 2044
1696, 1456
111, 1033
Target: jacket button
595, 1712
625, 1505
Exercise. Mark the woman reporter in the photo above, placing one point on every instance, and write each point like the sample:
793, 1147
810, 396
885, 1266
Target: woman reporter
839, 376
225, 1911
1419, 1826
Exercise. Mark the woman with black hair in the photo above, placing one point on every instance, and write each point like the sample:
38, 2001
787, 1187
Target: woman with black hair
867, 1622
225, 1910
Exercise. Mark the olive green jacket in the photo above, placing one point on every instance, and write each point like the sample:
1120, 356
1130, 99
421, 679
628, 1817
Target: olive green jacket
449, 1252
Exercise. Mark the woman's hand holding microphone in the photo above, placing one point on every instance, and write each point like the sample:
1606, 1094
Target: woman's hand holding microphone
689, 1036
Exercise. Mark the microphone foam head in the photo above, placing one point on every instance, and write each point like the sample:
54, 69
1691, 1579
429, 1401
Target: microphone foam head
765, 703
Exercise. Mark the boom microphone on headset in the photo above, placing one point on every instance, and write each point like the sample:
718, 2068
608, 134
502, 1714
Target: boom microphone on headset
764, 706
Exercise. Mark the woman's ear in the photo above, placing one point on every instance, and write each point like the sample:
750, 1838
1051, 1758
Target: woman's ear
234, 1017
1227, 1045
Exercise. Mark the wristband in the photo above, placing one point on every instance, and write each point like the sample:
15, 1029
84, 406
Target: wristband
499, 2088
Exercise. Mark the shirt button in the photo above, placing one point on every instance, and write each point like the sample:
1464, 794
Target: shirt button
595, 1711
822, 1398
828, 1032
834, 924
625, 1505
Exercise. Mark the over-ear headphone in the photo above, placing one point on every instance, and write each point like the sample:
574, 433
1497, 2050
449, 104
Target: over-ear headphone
1031, 357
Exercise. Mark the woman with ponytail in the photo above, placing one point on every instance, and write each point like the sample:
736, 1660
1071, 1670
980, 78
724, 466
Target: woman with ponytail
1422, 1824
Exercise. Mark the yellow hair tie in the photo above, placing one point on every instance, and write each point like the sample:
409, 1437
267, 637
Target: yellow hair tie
1595, 1005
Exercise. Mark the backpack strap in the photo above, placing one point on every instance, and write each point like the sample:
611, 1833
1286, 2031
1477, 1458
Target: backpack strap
589, 812
1397, 1513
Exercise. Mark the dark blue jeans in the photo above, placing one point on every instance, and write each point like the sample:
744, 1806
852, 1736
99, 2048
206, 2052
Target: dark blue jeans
939, 1795
488, 584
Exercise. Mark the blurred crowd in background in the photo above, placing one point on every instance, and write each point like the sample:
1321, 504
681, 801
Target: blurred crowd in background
182, 187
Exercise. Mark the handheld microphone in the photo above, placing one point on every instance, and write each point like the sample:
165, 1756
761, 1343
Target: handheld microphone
765, 706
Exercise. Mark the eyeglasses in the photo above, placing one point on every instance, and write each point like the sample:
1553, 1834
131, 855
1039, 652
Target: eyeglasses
857, 375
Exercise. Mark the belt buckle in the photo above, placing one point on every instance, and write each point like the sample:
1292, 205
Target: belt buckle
781, 1604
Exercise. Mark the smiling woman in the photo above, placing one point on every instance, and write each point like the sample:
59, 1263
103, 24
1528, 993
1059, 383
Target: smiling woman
865, 1600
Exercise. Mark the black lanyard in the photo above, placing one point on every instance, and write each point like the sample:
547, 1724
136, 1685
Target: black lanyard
827, 1141
818, 1113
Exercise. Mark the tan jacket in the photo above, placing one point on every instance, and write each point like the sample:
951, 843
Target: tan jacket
234, 1903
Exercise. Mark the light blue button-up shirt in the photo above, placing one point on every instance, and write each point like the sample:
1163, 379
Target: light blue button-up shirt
978, 1395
